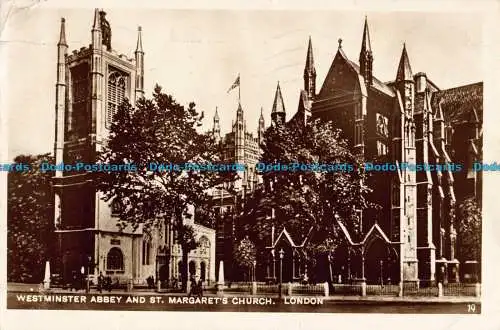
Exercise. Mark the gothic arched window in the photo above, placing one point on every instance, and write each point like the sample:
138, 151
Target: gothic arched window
204, 246
114, 260
146, 249
117, 86
116, 207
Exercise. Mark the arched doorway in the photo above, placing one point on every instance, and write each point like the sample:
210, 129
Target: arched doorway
179, 269
192, 268
72, 263
163, 273
114, 260
380, 259
203, 271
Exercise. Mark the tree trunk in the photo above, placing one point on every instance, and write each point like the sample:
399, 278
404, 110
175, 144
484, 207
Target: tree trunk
184, 270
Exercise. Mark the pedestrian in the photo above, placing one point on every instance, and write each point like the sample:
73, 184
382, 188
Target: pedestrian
100, 282
192, 290
200, 288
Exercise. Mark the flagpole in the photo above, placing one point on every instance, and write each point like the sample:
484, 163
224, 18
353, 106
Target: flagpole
239, 89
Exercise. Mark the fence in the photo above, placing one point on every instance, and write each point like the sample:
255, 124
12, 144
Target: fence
461, 289
323, 289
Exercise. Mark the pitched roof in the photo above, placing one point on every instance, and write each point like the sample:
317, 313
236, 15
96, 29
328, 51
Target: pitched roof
460, 103
377, 84
377, 231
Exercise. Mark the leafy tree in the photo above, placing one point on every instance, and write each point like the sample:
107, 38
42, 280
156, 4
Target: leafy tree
159, 130
30, 213
245, 254
469, 230
308, 201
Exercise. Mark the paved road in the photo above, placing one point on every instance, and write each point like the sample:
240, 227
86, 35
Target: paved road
234, 304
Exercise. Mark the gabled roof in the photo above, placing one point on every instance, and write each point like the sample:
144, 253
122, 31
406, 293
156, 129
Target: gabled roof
457, 103
376, 83
284, 234
376, 230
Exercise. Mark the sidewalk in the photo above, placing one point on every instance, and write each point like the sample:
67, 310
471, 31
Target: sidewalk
34, 288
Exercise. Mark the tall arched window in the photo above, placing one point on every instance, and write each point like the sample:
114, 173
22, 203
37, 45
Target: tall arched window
117, 85
146, 249
204, 246
114, 260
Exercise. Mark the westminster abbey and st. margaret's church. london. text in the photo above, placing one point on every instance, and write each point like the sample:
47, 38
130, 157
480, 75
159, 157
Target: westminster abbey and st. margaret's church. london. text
410, 119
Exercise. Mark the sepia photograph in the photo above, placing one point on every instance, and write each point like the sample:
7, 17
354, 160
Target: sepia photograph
222, 160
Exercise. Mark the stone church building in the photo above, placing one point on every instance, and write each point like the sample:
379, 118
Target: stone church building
91, 83
407, 120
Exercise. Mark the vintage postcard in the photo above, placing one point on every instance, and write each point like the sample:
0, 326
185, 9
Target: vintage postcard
291, 160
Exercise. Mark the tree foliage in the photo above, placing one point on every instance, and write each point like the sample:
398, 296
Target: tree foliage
469, 230
308, 202
30, 210
160, 131
245, 253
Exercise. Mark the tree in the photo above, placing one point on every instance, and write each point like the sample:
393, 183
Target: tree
30, 213
469, 230
308, 200
159, 130
245, 254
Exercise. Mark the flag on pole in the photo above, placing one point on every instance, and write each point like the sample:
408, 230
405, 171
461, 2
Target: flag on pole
235, 84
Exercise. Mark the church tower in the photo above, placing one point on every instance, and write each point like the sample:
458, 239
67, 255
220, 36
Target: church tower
310, 73
239, 129
91, 84
216, 128
404, 189
278, 114
366, 56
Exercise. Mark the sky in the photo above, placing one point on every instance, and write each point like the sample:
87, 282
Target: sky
195, 55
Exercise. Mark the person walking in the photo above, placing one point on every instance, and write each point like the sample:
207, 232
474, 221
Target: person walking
100, 282
200, 288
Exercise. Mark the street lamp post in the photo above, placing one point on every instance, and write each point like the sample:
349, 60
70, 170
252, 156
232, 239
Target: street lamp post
82, 280
330, 261
281, 253
254, 264
88, 273
381, 273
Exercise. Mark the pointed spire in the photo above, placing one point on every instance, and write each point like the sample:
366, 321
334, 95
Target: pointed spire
97, 20
138, 49
216, 116
365, 56
310, 72
309, 59
261, 114
62, 35
404, 68
278, 105
366, 45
